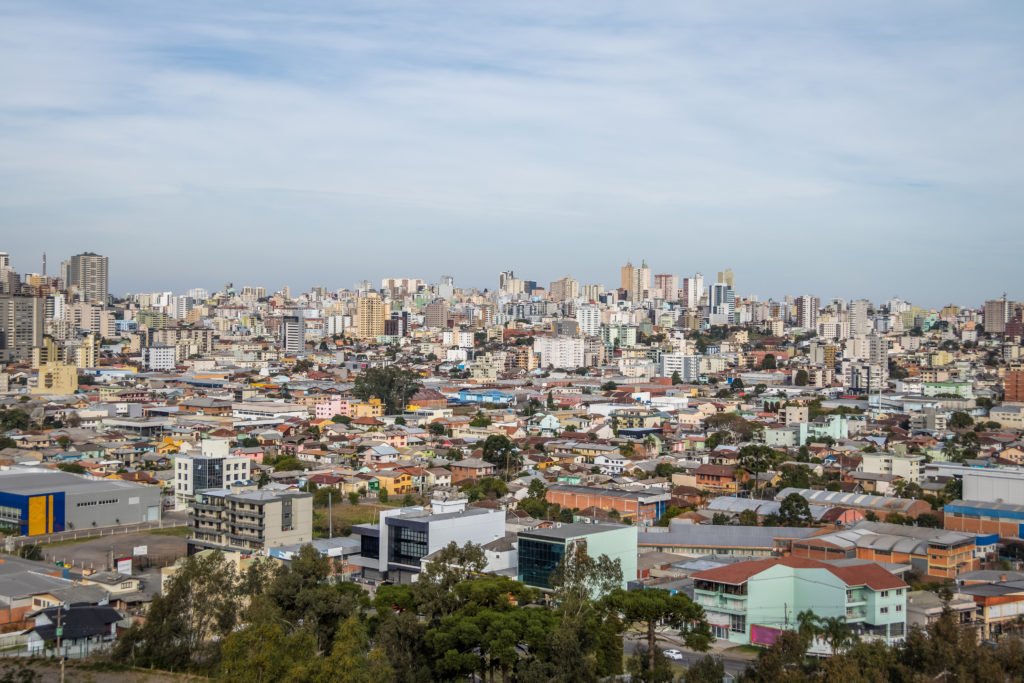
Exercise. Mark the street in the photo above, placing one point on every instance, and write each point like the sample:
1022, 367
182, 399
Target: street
734, 664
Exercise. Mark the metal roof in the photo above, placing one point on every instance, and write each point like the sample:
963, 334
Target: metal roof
858, 500
34, 481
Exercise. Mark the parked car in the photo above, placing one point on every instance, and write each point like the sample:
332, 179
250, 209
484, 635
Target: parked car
675, 655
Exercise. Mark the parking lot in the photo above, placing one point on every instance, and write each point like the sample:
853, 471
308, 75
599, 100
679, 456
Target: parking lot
95, 553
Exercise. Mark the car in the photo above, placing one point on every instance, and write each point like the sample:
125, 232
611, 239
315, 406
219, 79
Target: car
674, 655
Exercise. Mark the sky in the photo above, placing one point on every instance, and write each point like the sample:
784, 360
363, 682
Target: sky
838, 149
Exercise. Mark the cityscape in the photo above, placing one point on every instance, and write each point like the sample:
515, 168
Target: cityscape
828, 476
579, 342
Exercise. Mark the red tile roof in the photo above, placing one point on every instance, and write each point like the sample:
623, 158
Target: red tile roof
867, 574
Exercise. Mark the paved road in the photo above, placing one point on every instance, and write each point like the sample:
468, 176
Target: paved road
734, 664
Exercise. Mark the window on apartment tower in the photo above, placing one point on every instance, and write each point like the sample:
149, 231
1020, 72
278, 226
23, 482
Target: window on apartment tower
738, 623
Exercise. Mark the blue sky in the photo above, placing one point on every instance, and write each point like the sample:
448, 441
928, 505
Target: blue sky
838, 149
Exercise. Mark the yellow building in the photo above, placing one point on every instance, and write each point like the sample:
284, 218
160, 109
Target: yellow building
371, 312
395, 483
372, 408
56, 378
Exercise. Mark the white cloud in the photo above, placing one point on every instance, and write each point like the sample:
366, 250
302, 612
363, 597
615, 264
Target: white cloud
683, 129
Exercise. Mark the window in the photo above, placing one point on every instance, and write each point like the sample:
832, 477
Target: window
883, 610
899, 608
899, 591
738, 623
885, 594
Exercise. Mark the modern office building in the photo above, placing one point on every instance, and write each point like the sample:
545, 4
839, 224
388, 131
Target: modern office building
752, 603
39, 501
214, 468
393, 548
249, 522
540, 550
721, 304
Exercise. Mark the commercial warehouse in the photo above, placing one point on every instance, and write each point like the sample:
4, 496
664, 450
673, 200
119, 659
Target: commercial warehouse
37, 501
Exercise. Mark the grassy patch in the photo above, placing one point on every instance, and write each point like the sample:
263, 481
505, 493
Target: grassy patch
179, 531
68, 541
364, 513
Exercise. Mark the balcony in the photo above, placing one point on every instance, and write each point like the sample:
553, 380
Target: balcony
247, 525
196, 505
855, 613
204, 517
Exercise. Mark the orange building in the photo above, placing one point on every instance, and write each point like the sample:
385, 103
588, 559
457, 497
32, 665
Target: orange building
643, 508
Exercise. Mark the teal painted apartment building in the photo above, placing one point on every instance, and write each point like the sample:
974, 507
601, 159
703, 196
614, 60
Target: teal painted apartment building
541, 549
751, 603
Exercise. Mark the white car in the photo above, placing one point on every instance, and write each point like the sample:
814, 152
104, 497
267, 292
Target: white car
674, 655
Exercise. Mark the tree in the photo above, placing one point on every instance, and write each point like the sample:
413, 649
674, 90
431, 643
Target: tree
748, 518
400, 421
670, 513
437, 428
450, 566
769, 362
353, 498
263, 651
382, 495
480, 420
579, 578
960, 420
707, 669
499, 450
392, 385
72, 467
664, 469
836, 632
341, 419
652, 606
609, 386
676, 379
795, 511
802, 378
537, 490
720, 519
197, 604
737, 384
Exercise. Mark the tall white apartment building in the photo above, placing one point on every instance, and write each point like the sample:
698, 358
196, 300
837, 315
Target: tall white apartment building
589, 320
559, 352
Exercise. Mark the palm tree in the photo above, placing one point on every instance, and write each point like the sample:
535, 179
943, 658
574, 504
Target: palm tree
808, 626
836, 632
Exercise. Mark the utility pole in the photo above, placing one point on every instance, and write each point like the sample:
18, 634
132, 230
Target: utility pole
60, 633
330, 517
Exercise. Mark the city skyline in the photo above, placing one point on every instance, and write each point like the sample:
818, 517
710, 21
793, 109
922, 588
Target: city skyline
810, 149
707, 278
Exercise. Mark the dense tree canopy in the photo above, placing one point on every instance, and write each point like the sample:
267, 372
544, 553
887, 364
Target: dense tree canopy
392, 385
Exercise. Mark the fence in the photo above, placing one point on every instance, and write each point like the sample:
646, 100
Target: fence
79, 650
99, 532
